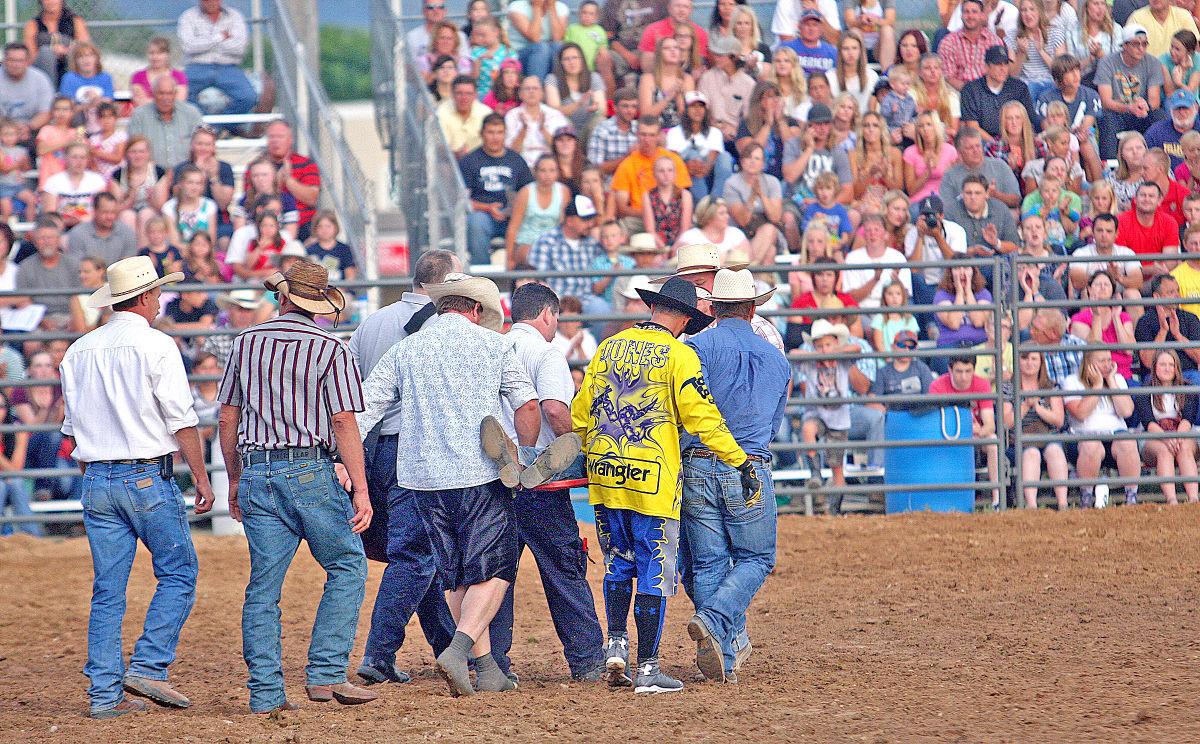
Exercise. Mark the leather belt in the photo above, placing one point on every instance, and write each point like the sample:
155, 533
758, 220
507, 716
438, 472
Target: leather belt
292, 454
710, 455
133, 461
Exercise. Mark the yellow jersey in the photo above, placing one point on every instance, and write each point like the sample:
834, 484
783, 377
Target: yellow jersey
641, 386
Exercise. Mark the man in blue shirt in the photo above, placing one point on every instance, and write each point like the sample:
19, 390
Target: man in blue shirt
816, 54
732, 541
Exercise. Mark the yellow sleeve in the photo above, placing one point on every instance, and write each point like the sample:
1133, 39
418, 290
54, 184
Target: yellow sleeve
581, 405
698, 411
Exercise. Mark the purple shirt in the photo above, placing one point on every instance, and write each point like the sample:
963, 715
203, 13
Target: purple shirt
966, 334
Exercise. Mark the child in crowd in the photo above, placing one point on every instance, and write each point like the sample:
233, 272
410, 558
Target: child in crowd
488, 53
616, 255
962, 379
837, 218
1059, 209
903, 375
502, 98
14, 161
199, 260
324, 247
107, 142
575, 342
588, 33
191, 211
1102, 199
892, 320
899, 108
165, 256
1057, 142
1187, 173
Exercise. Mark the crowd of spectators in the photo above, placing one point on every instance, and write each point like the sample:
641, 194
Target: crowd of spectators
1044, 128
91, 173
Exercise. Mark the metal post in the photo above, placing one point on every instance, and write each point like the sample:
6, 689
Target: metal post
1002, 277
371, 247
10, 17
1013, 294
301, 83
256, 39
433, 215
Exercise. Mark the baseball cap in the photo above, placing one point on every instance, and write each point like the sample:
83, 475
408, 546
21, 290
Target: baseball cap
1182, 98
905, 340
581, 207
931, 204
566, 130
1132, 31
819, 114
694, 96
997, 54
811, 15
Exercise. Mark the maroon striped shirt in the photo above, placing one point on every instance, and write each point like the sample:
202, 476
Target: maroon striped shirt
289, 377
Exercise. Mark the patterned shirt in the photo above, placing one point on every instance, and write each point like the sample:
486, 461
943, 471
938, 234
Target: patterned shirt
1062, 364
444, 381
608, 142
289, 377
552, 252
962, 59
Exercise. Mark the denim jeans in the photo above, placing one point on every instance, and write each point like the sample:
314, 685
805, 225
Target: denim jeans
14, 496
229, 79
283, 503
732, 545
596, 305
123, 503
1112, 123
574, 471
43, 453
481, 229
866, 425
722, 170
408, 584
537, 58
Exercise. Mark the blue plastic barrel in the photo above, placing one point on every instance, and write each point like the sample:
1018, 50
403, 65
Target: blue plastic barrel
941, 463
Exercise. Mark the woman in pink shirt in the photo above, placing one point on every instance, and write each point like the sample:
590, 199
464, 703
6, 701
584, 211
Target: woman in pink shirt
1110, 325
158, 57
928, 159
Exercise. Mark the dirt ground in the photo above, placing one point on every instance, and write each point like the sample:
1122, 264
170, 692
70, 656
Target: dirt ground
1013, 627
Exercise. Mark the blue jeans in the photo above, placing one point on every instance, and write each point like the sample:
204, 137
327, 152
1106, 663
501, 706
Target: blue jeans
229, 79
408, 584
722, 170
481, 228
43, 453
123, 503
866, 425
594, 304
922, 294
732, 545
14, 494
1112, 123
283, 503
537, 59
574, 471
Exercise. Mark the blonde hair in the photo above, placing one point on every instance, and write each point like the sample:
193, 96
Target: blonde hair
837, 102
885, 140
1087, 371
939, 129
1123, 139
85, 47
706, 210
1025, 141
1101, 187
1043, 21
693, 61
945, 93
1055, 107
1192, 137
755, 31
796, 82
860, 68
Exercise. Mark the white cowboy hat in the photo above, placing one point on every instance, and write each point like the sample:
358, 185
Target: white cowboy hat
642, 243
695, 258
737, 259
822, 327
478, 288
129, 278
306, 285
291, 248
738, 286
636, 282
247, 299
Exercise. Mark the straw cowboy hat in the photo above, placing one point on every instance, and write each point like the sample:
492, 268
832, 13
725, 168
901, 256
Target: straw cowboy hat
129, 278
678, 295
737, 259
247, 299
306, 285
642, 243
636, 283
822, 327
478, 288
738, 286
696, 258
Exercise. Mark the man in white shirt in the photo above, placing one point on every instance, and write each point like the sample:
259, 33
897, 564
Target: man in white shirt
1001, 19
1128, 274
128, 408
931, 238
866, 285
213, 39
545, 519
417, 38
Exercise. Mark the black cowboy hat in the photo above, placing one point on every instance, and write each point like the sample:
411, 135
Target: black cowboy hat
679, 295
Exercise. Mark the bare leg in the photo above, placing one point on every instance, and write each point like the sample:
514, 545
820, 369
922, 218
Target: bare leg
1031, 469
1056, 468
763, 248
887, 47
1187, 467
476, 609
1163, 461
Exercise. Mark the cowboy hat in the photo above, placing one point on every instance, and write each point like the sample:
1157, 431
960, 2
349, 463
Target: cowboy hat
306, 285
247, 299
477, 288
695, 258
678, 295
822, 327
737, 286
129, 278
736, 260
642, 243
636, 283
291, 248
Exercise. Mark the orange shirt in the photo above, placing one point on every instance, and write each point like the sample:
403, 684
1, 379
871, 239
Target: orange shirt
635, 175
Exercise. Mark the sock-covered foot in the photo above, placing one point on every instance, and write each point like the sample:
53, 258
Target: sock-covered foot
452, 664
489, 678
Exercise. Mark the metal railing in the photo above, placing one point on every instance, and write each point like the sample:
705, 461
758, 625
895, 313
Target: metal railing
426, 181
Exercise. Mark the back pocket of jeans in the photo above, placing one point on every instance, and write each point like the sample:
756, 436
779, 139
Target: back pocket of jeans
145, 492
735, 501
309, 484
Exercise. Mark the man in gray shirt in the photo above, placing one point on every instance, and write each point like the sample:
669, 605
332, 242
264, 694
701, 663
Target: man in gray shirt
104, 238
1130, 86
168, 124
1002, 182
49, 269
25, 93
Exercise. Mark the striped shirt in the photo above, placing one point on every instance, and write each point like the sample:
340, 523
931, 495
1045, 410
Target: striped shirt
289, 377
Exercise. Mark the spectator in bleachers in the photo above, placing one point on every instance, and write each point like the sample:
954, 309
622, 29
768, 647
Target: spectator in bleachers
492, 56
1130, 87
1096, 36
1168, 133
593, 42
902, 375
1039, 415
755, 202
166, 257
16, 199
461, 116
635, 174
1162, 20
931, 237
1187, 273
1169, 412
962, 379
827, 378
190, 211
961, 285
1145, 229
1055, 143
893, 320
788, 76
298, 175
419, 38
823, 295
999, 181
167, 123
570, 247
928, 158
531, 125
241, 308
726, 88
1105, 324
617, 251
43, 404
1081, 110
989, 225
200, 261
1157, 169
664, 83
14, 492
537, 209
87, 84
158, 63
535, 29
1179, 64
574, 340
962, 51
766, 123
850, 74
447, 42
213, 40
569, 156
1131, 156
444, 72
492, 174
1014, 143
26, 94
614, 138
133, 184
866, 285
933, 93
1103, 247
262, 252
262, 179
666, 208
875, 163
70, 193
1100, 416
84, 317
626, 21
1034, 45
1169, 324
575, 91
50, 35
679, 12
325, 249
701, 146
104, 236
591, 185
810, 38
713, 225
107, 142
806, 157
54, 138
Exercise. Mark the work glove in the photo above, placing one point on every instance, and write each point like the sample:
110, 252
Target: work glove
751, 485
